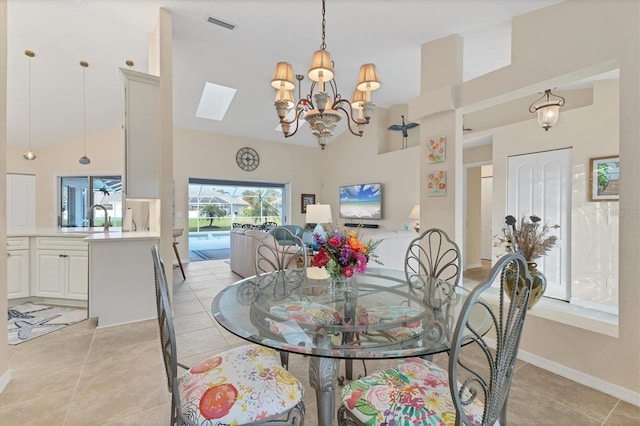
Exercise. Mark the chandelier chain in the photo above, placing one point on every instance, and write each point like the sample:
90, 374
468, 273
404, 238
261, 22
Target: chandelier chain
323, 46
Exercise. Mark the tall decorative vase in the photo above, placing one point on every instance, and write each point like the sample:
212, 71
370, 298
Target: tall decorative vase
538, 284
340, 283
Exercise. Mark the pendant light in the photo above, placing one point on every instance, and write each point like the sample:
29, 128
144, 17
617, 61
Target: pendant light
84, 160
29, 155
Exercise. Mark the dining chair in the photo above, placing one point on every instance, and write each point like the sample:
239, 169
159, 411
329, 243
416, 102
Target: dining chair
432, 271
242, 385
474, 389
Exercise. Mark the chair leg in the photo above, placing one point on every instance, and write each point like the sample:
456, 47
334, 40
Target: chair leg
175, 250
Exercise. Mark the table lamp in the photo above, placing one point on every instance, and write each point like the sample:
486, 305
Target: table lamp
319, 214
415, 214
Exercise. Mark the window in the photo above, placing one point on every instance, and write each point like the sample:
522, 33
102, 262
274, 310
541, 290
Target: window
78, 193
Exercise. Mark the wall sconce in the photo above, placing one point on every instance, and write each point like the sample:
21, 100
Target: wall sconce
549, 110
415, 214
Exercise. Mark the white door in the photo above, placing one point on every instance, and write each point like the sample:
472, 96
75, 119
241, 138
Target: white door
21, 203
540, 184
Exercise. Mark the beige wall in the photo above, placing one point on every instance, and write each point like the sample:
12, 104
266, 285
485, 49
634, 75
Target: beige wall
472, 248
350, 160
582, 44
213, 156
4, 357
591, 131
106, 151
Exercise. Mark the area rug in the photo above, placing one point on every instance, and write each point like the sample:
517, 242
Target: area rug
29, 321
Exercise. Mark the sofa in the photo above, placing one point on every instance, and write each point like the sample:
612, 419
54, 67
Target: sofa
243, 243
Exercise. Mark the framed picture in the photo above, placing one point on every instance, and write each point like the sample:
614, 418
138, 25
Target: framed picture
437, 183
305, 200
436, 150
604, 177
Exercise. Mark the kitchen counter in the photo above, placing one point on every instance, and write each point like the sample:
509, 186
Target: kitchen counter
121, 280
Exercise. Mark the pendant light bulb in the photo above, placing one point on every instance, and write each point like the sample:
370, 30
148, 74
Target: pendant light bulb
29, 155
84, 160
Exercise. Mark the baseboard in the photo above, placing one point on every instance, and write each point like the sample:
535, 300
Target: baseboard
4, 380
614, 390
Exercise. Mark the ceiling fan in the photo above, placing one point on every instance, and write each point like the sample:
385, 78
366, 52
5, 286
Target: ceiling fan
404, 129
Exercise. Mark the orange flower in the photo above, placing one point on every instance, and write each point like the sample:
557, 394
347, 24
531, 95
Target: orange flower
355, 244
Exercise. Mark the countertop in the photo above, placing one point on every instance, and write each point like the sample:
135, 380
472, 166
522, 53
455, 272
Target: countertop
94, 234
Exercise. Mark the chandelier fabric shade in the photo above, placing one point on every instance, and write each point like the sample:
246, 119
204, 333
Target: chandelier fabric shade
549, 110
323, 107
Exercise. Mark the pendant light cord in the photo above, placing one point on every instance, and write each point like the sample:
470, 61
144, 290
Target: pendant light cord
84, 112
29, 103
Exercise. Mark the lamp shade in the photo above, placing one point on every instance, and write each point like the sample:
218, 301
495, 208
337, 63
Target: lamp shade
368, 79
318, 213
283, 77
286, 96
359, 97
321, 66
415, 212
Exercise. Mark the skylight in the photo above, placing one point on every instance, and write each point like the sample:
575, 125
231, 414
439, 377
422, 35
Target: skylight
215, 101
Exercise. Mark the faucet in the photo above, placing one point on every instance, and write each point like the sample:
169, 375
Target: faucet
107, 222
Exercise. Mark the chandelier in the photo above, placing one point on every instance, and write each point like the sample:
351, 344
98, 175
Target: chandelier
549, 110
319, 108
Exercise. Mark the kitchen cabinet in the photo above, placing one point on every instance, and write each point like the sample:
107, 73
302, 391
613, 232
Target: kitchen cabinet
21, 203
17, 267
142, 134
62, 266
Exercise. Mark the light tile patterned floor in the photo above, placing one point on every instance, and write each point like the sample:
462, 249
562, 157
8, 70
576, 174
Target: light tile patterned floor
87, 376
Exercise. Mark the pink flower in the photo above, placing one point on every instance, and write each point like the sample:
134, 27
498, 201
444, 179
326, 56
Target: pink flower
347, 271
379, 398
334, 241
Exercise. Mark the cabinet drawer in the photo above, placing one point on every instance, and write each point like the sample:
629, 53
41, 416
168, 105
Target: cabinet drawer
58, 243
17, 243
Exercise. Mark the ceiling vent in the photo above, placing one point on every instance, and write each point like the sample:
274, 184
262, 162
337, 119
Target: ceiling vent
221, 23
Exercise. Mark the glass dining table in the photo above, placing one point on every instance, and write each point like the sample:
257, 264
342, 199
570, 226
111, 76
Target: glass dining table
379, 316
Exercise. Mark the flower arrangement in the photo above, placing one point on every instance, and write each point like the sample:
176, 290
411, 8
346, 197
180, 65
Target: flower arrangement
342, 253
530, 238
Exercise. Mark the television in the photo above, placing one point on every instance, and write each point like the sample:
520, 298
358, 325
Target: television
362, 201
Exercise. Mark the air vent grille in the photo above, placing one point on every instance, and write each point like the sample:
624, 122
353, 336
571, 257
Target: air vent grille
221, 23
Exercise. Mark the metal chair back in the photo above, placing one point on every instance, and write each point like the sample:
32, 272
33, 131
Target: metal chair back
492, 347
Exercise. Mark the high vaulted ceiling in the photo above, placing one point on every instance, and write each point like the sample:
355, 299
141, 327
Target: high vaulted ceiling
107, 33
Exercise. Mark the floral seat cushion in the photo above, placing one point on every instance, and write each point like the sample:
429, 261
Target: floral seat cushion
238, 386
393, 315
309, 313
413, 392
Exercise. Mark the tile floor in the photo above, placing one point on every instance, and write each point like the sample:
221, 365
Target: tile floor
114, 376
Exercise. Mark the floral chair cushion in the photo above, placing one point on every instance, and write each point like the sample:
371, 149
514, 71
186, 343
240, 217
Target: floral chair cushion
412, 392
238, 386
309, 313
392, 315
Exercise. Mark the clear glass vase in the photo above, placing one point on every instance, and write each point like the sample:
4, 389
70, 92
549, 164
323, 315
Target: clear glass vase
340, 284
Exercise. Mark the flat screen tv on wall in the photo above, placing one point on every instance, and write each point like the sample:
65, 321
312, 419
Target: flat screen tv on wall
362, 201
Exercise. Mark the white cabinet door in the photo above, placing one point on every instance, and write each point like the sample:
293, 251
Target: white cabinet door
540, 184
21, 203
17, 273
77, 275
142, 135
51, 273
